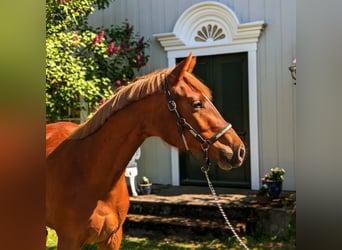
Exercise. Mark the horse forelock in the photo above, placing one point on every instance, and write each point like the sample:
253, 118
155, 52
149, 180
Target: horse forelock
199, 85
139, 88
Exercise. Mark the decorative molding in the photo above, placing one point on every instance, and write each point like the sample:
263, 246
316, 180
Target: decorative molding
195, 27
194, 31
209, 33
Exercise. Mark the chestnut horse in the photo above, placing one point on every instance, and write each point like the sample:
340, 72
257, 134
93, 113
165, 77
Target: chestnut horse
86, 194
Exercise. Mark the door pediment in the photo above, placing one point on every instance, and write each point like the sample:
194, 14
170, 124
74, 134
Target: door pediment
207, 24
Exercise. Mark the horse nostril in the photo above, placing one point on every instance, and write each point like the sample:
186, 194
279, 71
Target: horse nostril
242, 152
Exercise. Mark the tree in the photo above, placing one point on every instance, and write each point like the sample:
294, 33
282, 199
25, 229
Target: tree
83, 62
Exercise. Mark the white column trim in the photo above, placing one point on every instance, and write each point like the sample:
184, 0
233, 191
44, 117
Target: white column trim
253, 119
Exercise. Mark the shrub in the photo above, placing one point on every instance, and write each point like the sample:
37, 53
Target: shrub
83, 62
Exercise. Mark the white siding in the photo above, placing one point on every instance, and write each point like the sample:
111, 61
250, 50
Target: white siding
276, 92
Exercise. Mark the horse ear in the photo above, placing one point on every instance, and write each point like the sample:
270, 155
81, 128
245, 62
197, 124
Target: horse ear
187, 65
192, 64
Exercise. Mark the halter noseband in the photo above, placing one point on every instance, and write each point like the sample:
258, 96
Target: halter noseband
183, 124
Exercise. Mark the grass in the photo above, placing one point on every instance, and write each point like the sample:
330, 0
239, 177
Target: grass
136, 241
51, 241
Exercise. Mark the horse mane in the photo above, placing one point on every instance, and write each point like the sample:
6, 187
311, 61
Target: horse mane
139, 88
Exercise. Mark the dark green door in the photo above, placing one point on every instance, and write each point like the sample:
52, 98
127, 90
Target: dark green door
227, 77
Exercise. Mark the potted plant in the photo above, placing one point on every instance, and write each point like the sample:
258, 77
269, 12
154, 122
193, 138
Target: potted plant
145, 185
274, 181
263, 195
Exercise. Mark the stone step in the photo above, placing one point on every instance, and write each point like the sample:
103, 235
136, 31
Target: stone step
196, 214
196, 211
171, 224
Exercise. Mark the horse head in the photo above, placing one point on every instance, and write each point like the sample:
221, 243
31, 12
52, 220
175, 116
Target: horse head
201, 127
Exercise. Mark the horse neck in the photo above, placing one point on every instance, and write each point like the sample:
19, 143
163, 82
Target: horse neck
111, 147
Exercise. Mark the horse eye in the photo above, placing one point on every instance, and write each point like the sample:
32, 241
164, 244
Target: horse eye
197, 104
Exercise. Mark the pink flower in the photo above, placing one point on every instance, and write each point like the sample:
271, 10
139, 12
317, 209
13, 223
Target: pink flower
101, 35
117, 83
111, 50
98, 38
294, 61
103, 101
62, 1
139, 60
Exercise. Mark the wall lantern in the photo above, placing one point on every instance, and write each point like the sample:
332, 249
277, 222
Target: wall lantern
293, 69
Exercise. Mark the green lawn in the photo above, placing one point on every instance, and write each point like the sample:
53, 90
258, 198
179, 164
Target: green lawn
139, 243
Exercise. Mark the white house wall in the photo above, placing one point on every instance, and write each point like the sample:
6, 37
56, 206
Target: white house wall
276, 92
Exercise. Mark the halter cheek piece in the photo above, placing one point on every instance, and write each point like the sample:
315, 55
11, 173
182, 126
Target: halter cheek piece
184, 125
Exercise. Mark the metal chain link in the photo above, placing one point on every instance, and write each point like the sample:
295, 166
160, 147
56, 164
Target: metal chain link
205, 170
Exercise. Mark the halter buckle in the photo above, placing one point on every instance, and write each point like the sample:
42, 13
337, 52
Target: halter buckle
205, 146
172, 105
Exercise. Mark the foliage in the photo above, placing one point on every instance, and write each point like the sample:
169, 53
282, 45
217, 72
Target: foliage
276, 174
83, 61
145, 180
51, 241
264, 190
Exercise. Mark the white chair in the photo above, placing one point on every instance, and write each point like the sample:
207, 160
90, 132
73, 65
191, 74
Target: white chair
132, 171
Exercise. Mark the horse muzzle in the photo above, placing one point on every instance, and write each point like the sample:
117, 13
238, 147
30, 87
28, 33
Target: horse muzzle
232, 159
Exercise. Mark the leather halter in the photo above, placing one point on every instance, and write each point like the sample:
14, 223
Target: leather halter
184, 125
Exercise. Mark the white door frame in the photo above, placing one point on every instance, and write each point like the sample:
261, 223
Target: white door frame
211, 28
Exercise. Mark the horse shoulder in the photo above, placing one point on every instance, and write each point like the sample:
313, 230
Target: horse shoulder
56, 133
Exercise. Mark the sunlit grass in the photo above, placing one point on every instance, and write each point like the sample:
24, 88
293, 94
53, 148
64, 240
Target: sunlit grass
131, 242
51, 242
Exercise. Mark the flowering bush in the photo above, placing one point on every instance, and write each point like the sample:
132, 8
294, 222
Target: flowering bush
83, 62
276, 174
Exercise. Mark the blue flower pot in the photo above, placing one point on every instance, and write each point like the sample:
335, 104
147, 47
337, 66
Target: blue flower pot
145, 188
275, 188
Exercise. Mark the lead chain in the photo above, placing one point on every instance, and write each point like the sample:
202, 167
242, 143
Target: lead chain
211, 187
